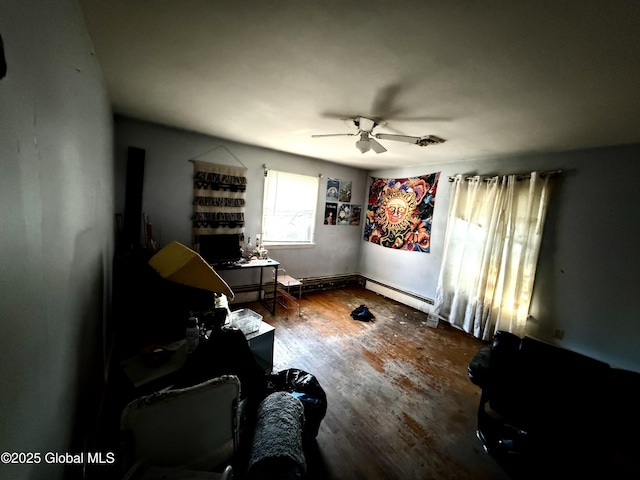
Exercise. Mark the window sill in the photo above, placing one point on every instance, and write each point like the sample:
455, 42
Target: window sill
278, 246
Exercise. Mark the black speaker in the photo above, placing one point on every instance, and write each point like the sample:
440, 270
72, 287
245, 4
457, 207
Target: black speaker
133, 198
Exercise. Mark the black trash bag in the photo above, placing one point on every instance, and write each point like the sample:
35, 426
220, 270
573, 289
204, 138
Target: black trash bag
362, 313
478, 369
226, 352
307, 389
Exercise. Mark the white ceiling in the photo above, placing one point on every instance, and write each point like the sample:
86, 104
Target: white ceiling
493, 78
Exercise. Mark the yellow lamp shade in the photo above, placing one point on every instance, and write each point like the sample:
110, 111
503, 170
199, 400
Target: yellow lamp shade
180, 264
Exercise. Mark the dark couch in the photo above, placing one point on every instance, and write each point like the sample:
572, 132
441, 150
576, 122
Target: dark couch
544, 409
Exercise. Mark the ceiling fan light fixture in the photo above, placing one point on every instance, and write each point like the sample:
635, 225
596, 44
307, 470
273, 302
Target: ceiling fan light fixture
368, 140
365, 124
363, 144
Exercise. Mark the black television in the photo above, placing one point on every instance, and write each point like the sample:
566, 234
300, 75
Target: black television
219, 249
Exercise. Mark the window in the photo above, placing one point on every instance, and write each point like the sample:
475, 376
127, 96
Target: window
289, 208
491, 250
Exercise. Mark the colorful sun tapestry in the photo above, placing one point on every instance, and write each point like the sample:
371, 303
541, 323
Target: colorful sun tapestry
400, 212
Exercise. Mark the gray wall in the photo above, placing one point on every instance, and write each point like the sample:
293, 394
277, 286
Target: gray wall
56, 232
588, 275
168, 193
585, 281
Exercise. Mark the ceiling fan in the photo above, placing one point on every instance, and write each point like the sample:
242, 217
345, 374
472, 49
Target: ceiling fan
367, 141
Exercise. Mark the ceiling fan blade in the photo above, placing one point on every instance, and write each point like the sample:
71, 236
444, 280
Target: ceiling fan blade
335, 135
397, 138
430, 140
420, 119
337, 115
376, 147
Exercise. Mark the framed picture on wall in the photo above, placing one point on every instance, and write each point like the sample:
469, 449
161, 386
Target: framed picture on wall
356, 213
330, 213
345, 191
333, 190
344, 214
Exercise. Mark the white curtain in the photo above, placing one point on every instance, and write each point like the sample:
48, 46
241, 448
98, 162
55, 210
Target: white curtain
491, 250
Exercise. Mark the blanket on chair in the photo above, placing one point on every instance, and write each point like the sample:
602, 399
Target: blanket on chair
277, 442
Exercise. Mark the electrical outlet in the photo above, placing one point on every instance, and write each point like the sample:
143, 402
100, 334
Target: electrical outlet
558, 333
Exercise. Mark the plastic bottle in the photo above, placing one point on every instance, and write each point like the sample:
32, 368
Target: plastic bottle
192, 334
249, 250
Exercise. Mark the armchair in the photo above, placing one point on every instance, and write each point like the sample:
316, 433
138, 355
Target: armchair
543, 406
193, 428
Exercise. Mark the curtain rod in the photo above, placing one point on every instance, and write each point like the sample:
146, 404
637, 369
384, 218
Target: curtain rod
519, 176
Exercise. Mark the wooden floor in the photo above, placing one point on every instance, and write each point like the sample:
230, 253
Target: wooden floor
400, 403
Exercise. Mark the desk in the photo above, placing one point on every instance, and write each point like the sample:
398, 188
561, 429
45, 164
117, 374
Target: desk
143, 376
261, 264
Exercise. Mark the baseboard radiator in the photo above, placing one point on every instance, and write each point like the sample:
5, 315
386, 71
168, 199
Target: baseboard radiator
249, 293
413, 300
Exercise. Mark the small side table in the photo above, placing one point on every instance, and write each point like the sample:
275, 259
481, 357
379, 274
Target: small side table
261, 345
